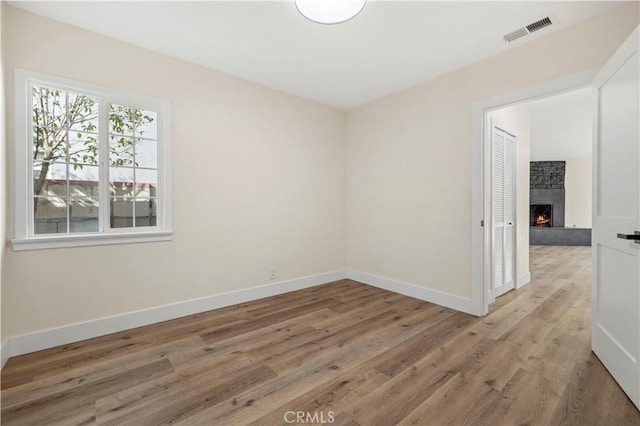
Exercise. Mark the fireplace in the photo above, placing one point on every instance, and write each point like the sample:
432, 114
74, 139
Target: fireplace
541, 215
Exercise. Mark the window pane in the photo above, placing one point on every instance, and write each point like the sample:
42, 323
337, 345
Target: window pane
146, 183
83, 180
120, 151
121, 212
83, 148
146, 154
49, 144
39, 136
146, 176
50, 122
83, 113
48, 107
145, 190
50, 215
121, 181
146, 125
145, 212
49, 179
43, 137
122, 119
83, 215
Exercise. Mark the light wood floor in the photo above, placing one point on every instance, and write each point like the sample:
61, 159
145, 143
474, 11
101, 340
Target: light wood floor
343, 351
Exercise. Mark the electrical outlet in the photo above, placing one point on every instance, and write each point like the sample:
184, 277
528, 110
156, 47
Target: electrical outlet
273, 274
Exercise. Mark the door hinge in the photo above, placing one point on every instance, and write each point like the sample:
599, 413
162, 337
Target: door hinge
482, 222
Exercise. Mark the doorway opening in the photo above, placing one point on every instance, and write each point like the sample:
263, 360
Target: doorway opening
551, 184
482, 295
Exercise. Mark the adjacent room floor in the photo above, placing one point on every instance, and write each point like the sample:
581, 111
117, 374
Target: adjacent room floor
342, 351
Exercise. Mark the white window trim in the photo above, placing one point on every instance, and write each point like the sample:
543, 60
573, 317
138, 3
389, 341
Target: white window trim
24, 238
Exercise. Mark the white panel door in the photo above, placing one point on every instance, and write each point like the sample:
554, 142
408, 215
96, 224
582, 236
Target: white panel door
615, 311
504, 210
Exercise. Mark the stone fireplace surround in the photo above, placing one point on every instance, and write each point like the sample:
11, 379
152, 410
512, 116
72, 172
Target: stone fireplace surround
547, 187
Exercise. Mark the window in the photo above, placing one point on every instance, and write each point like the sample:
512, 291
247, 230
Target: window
91, 165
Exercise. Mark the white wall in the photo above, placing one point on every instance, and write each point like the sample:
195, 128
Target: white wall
515, 120
409, 155
561, 126
577, 184
258, 181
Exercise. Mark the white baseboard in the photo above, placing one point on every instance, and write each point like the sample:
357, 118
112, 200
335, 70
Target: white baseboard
50, 338
448, 300
523, 279
4, 353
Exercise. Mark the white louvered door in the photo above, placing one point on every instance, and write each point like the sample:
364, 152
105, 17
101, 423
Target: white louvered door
504, 210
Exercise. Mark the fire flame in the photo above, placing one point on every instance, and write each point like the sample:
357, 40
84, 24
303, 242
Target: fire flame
542, 220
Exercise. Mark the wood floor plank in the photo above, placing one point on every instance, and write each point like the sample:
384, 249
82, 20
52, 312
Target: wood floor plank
446, 407
68, 380
246, 326
397, 398
500, 322
78, 403
146, 396
592, 382
367, 310
528, 399
289, 331
509, 354
298, 356
329, 398
338, 293
555, 307
403, 355
347, 306
567, 344
185, 401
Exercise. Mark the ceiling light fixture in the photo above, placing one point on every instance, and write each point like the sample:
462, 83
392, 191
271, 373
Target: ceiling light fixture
330, 11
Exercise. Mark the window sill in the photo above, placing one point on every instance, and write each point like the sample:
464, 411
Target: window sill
39, 243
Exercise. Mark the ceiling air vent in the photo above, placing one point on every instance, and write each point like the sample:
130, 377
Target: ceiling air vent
514, 35
525, 31
538, 25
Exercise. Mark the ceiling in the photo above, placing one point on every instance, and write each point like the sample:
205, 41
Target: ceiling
391, 45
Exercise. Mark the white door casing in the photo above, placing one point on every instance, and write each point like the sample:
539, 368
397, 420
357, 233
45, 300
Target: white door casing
615, 307
482, 231
504, 211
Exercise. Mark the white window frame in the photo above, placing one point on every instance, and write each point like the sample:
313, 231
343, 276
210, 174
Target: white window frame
24, 238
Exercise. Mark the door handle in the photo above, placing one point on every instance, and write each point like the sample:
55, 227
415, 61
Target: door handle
635, 237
